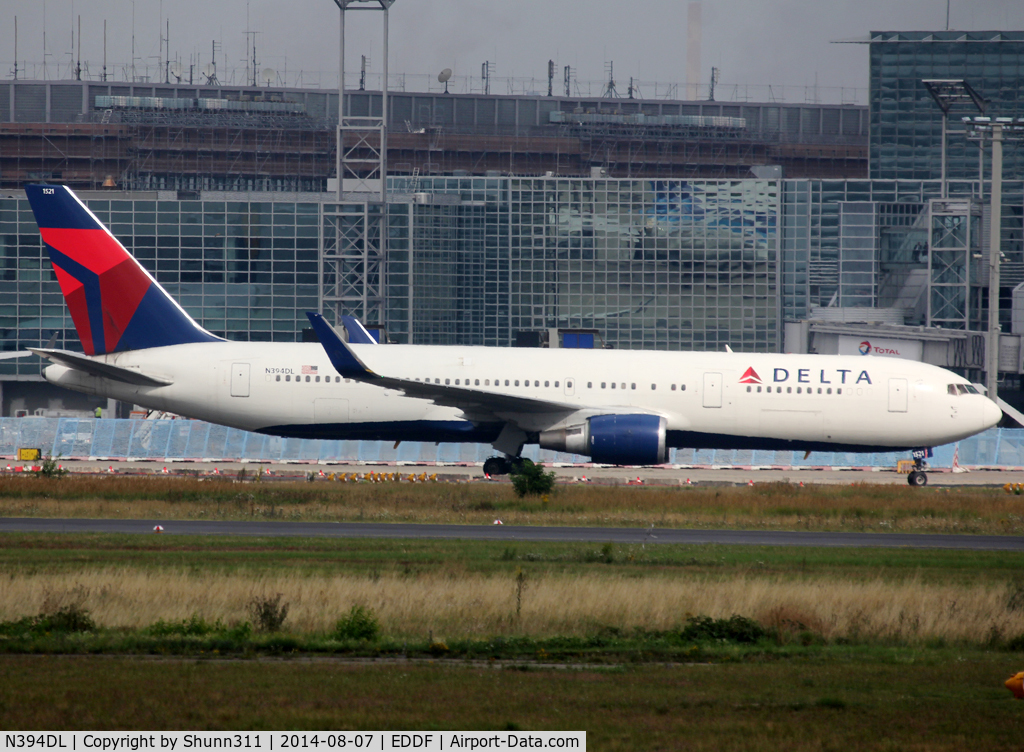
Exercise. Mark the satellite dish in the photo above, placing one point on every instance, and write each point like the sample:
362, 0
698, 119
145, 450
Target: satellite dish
268, 74
443, 77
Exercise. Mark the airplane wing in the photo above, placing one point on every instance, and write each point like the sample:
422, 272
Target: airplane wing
80, 362
472, 401
19, 354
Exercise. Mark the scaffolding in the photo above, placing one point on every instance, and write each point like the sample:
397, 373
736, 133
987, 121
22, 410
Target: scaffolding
352, 252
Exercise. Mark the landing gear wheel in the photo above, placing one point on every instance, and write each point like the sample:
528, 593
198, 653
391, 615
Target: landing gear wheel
918, 478
496, 466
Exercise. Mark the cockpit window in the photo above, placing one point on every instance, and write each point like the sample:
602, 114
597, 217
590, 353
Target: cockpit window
957, 389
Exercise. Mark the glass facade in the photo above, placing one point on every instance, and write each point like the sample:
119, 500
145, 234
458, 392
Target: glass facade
854, 243
906, 123
667, 264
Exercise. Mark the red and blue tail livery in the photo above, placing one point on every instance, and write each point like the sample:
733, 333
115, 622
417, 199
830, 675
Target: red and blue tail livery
115, 304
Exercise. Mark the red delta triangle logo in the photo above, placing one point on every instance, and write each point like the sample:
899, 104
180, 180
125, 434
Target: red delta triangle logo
750, 377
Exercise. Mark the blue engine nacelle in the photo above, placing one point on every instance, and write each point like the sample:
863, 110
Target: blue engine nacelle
613, 439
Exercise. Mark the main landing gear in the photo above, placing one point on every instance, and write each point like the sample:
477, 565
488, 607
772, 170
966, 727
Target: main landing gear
918, 477
502, 465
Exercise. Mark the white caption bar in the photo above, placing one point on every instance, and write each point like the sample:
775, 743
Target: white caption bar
270, 741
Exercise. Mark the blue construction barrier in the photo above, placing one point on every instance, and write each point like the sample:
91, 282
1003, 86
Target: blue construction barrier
169, 440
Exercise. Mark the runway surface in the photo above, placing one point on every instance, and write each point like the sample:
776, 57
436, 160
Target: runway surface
517, 533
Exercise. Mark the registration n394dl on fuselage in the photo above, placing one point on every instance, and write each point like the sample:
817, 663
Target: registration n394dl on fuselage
616, 407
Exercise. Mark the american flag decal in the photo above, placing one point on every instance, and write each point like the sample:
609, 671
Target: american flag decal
309, 369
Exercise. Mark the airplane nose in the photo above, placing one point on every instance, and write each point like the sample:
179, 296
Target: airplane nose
991, 415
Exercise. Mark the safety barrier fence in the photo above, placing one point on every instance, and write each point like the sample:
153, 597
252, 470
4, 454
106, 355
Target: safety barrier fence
169, 440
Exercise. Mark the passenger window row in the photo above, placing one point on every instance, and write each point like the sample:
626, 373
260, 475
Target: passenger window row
799, 390
497, 382
309, 379
622, 385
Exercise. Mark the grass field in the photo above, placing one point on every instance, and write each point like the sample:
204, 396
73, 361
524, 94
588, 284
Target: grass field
855, 507
474, 590
903, 700
860, 648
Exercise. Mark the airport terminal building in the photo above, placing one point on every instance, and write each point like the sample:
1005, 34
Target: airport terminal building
656, 224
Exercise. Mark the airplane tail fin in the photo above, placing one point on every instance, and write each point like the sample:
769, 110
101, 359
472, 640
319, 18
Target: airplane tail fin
115, 303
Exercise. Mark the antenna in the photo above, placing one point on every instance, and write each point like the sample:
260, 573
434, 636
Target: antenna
78, 64
133, 40
255, 66
167, 54
103, 76
175, 70
362, 73
210, 69
485, 74
714, 80
551, 76
443, 77
609, 89
15, 48
268, 74
567, 79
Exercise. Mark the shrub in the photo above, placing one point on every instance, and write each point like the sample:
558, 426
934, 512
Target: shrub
64, 619
195, 626
267, 612
63, 611
530, 479
734, 629
69, 618
359, 624
608, 553
51, 468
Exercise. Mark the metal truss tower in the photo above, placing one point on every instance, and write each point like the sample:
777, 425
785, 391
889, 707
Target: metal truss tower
353, 238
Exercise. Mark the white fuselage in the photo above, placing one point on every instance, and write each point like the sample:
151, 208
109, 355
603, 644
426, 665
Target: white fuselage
707, 399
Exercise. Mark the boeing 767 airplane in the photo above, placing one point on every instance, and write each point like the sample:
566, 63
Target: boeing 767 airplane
618, 407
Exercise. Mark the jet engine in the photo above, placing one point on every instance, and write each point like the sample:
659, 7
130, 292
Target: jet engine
613, 439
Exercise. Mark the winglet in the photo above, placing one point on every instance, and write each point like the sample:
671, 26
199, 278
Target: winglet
357, 334
345, 361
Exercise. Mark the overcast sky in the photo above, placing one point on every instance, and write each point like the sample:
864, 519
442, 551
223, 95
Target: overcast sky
754, 43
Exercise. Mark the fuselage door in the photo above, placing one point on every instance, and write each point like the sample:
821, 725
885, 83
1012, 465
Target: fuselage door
239, 379
570, 386
712, 390
897, 395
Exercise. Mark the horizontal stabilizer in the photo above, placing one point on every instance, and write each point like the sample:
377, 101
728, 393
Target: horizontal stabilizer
92, 367
18, 354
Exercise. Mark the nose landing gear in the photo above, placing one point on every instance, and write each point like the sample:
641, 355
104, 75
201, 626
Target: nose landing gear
918, 477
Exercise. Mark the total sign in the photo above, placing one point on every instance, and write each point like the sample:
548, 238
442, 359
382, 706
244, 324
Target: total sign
908, 349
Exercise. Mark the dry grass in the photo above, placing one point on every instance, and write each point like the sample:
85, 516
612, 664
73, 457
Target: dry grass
455, 606
768, 506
